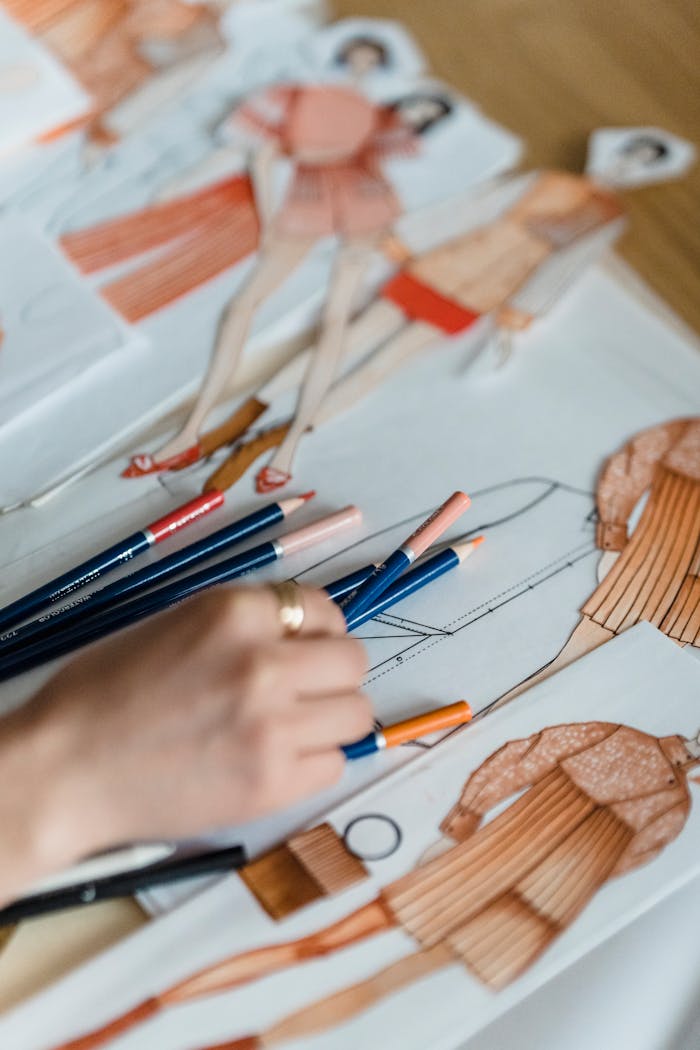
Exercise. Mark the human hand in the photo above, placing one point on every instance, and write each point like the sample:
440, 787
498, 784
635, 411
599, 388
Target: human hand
202, 717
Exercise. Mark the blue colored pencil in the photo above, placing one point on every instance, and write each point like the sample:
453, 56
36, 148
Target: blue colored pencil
339, 588
428, 571
56, 621
109, 559
131, 612
397, 562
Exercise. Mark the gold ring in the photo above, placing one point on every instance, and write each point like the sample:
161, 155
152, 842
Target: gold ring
291, 606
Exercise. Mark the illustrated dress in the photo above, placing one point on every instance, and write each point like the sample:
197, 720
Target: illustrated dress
334, 140
656, 576
586, 803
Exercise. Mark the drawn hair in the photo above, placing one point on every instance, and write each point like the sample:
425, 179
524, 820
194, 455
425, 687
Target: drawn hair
443, 104
380, 50
659, 148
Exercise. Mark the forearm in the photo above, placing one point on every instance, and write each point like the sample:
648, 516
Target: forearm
40, 827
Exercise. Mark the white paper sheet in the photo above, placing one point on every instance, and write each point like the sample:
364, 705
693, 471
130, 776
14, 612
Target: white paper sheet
56, 329
620, 683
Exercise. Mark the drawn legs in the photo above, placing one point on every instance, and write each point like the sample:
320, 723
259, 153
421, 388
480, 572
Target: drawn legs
231, 973
349, 1002
397, 352
350, 268
409, 341
277, 261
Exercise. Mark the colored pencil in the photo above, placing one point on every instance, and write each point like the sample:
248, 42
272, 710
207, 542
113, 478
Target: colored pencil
411, 729
110, 620
57, 620
110, 559
339, 588
125, 884
415, 580
416, 544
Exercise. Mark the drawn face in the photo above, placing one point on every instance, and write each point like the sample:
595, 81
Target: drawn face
362, 57
629, 157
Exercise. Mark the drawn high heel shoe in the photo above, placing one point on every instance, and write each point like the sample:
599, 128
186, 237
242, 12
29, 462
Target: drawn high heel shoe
270, 479
146, 464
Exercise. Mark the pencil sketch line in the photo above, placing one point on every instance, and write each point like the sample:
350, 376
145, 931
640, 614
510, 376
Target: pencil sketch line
553, 486
424, 645
585, 548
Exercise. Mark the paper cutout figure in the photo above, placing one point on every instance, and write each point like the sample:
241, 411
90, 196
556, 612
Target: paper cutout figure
106, 45
586, 802
654, 574
336, 139
637, 156
546, 229
380, 49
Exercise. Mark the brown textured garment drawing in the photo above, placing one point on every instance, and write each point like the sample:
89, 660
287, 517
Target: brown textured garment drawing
655, 575
588, 802
105, 43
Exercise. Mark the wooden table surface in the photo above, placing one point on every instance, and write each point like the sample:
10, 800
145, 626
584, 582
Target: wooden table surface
552, 70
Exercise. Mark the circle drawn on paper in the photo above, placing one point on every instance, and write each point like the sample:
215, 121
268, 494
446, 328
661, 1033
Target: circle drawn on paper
372, 836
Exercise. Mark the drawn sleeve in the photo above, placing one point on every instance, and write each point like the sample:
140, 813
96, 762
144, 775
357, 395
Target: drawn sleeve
264, 115
651, 840
553, 277
626, 476
521, 763
392, 138
436, 224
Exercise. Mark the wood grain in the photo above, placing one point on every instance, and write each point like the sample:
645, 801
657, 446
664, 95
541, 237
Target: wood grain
553, 70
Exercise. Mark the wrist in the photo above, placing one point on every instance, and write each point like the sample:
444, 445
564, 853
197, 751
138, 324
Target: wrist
40, 826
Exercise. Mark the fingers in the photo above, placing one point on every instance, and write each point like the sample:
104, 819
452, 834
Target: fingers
320, 666
251, 615
321, 615
321, 724
314, 773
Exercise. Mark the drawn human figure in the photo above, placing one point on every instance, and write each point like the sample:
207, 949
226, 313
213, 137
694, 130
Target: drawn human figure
654, 574
546, 228
584, 803
335, 138
105, 43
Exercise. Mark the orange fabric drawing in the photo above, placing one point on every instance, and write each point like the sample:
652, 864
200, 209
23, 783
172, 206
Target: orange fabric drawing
100, 41
419, 302
481, 270
336, 139
199, 235
657, 576
585, 802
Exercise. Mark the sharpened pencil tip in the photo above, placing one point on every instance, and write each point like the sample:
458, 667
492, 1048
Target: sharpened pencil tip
463, 550
306, 496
